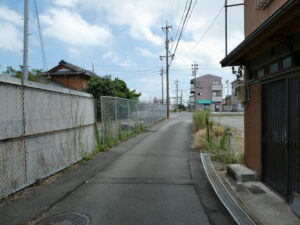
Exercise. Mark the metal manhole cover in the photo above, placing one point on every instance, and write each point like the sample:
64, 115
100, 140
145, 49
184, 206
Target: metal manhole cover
67, 218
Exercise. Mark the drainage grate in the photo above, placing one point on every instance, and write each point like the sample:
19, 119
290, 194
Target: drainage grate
231, 205
67, 218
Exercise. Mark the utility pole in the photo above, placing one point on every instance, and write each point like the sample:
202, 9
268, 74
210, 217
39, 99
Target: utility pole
181, 99
93, 68
25, 41
194, 74
226, 28
166, 29
226, 1
176, 83
162, 85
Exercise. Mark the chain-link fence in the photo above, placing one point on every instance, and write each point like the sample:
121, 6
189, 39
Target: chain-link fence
43, 129
120, 117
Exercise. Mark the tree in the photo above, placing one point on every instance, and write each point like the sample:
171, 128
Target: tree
100, 86
105, 86
122, 91
33, 75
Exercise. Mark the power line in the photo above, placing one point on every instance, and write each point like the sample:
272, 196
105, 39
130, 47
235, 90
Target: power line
25, 42
182, 28
206, 31
191, 13
181, 20
45, 65
137, 75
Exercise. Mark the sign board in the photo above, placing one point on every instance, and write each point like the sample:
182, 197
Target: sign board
204, 101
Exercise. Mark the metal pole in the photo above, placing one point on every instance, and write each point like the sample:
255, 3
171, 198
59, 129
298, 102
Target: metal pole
102, 118
167, 69
162, 85
176, 82
195, 98
225, 27
25, 41
181, 99
116, 117
128, 111
194, 73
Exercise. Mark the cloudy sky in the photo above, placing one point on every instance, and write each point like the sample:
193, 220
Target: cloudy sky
122, 38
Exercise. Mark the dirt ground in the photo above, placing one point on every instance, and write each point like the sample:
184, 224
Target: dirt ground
236, 123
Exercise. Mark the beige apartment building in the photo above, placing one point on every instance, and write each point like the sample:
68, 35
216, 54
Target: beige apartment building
208, 93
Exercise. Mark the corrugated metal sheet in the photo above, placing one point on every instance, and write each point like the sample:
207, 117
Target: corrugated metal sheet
294, 136
274, 136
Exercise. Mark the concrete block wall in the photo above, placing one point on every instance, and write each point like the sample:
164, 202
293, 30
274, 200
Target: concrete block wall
43, 129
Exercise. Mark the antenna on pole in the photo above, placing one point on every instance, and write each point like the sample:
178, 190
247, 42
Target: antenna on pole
93, 68
25, 42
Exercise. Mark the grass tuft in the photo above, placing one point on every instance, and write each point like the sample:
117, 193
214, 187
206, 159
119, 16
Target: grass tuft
214, 138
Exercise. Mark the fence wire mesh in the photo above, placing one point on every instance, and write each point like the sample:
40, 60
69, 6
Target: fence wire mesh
119, 117
43, 129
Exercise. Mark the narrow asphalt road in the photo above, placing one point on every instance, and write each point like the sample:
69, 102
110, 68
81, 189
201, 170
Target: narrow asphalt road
159, 181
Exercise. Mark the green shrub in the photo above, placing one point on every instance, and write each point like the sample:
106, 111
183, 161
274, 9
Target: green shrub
214, 138
200, 119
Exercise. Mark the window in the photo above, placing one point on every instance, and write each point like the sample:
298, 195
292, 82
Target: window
287, 62
284, 63
260, 72
297, 58
274, 67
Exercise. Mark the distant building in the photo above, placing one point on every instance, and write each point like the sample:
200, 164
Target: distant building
69, 75
227, 103
236, 105
207, 92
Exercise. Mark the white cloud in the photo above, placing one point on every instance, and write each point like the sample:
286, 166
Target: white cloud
141, 16
10, 16
66, 3
11, 34
110, 55
74, 52
127, 63
146, 52
71, 28
10, 38
116, 59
